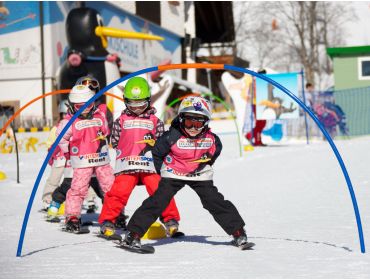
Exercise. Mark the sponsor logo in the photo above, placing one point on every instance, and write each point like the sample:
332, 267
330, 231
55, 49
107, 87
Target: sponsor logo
136, 91
186, 144
141, 124
82, 124
74, 150
94, 156
171, 170
137, 158
95, 160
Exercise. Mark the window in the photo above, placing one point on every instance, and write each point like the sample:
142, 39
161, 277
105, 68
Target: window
364, 68
150, 10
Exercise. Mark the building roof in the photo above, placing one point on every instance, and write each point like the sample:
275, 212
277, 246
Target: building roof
348, 51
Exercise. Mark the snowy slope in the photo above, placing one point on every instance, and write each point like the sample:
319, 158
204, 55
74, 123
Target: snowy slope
293, 198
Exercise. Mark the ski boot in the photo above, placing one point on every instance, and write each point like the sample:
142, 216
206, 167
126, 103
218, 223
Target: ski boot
172, 227
108, 231
91, 209
241, 240
73, 224
121, 221
132, 240
45, 206
107, 228
52, 214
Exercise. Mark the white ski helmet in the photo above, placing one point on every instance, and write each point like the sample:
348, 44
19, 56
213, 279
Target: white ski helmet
80, 94
63, 106
196, 105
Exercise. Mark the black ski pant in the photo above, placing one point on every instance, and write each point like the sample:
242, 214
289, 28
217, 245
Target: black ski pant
60, 193
223, 211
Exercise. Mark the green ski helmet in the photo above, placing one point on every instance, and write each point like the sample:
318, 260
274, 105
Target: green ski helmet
137, 95
137, 88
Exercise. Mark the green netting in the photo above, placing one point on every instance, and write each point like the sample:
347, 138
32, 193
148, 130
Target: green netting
356, 105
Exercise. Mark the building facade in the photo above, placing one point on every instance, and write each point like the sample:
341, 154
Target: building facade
351, 66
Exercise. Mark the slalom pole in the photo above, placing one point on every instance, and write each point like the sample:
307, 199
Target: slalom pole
304, 101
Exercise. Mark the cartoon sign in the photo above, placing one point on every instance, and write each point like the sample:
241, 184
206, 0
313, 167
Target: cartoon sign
272, 103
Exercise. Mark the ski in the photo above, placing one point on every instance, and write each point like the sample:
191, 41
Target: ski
144, 249
82, 230
111, 237
53, 219
177, 234
87, 224
246, 246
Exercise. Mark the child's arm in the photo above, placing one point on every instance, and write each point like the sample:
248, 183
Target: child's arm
160, 150
51, 137
218, 145
159, 130
64, 142
116, 133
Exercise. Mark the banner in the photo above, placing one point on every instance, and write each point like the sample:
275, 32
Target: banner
138, 54
20, 53
272, 103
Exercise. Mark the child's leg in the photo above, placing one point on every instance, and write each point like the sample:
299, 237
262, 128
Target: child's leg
105, 177
223, 211
94, 184
117, 197
154, 205
52, 183
151, 182
78, 190
60, 193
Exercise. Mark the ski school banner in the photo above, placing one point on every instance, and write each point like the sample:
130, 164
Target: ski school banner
272, 103
20, 52
137, 54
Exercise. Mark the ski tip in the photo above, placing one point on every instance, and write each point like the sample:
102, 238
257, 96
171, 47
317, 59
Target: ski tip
114, 237
247, 246
178, 234
144, 249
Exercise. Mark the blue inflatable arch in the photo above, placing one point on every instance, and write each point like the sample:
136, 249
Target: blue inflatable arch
189, 66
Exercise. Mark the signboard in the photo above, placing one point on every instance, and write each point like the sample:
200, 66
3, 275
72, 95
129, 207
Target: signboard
272, 103
138, 54
19, 40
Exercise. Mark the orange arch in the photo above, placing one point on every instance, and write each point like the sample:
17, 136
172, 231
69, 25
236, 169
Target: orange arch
61, 91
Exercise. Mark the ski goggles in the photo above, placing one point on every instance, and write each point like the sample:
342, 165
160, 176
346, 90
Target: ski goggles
193, 122
92, 84
137, 104
78, 106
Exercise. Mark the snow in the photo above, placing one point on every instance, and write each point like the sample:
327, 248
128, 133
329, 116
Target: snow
292, 196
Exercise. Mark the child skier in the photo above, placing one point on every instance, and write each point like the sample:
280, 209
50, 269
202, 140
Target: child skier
59, 193
85, 142
133, 136
184, 155
57, 161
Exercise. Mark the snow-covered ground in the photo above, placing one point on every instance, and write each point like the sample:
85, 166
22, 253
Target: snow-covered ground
292, 196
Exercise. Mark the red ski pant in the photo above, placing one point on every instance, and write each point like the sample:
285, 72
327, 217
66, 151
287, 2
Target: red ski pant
116, 199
